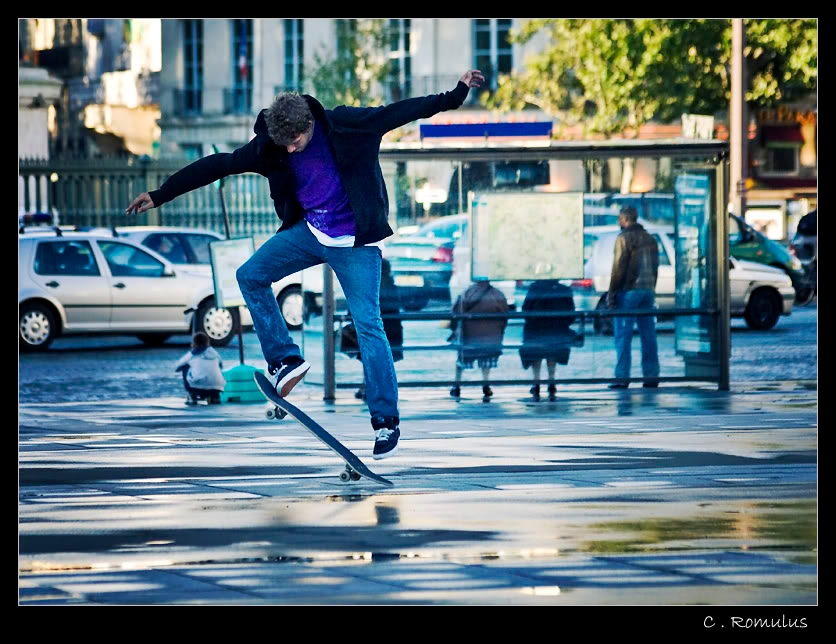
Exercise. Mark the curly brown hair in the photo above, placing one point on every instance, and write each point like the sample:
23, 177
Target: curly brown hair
288, 117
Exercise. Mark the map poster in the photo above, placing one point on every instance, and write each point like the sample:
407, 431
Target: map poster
227, 256
527, 235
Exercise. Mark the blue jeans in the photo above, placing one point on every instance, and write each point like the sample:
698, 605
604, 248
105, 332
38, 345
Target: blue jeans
640, 298
358, 269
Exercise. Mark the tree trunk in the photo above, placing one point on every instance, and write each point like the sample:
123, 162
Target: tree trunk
628, 165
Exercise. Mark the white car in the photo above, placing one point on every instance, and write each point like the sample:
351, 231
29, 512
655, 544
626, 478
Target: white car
189, 248
89, 283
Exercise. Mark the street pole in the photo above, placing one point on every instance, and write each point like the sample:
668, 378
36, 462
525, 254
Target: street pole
226, 229
329, 381
738, 123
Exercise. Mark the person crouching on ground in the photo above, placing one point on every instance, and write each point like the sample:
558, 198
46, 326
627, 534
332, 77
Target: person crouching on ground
202, 375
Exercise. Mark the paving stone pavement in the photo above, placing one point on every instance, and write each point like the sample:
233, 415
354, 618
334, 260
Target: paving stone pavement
677, 496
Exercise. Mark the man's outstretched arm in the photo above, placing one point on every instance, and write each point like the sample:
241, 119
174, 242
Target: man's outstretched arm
198, 174
388, 117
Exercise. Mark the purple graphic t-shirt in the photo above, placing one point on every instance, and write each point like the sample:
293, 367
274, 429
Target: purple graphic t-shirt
320, 189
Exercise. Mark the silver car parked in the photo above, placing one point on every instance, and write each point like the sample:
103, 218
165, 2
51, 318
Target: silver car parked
189, 248
94, 284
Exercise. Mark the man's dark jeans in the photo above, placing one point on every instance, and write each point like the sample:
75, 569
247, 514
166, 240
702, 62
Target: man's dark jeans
640, 298
358, 269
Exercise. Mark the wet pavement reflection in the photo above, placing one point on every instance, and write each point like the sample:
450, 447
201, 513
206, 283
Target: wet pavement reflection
670, 496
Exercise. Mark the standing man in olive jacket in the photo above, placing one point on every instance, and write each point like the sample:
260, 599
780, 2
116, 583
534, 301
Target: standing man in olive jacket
635, 268
327, 187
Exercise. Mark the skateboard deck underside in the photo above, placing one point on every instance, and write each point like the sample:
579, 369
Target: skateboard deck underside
353, 463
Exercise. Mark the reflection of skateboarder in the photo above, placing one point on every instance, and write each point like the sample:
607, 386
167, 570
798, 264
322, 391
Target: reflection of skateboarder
354, 467
328, 190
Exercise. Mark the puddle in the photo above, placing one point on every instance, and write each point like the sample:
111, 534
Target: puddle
787, 525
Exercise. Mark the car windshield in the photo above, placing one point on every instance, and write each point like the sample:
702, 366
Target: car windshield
200, 246
169, 246
443, 229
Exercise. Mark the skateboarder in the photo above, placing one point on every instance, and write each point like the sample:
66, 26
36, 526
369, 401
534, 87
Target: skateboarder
328, 190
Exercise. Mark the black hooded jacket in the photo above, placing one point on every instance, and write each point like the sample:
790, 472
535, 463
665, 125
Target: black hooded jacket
354, 134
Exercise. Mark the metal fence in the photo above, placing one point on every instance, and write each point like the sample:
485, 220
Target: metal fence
95, 192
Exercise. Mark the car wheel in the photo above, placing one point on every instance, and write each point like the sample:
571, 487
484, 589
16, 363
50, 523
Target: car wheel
218, 324
292, 307
763, 310
37, 327
602, 326
153, 339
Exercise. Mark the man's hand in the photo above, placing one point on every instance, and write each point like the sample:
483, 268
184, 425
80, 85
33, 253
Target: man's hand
472, 78
142, 203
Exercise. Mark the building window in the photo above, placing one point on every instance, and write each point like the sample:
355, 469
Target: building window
192, 66
780, 149
492, 53
192, 151
781, 160
346, 29
399, 81
346, 34
294, 49
242, 67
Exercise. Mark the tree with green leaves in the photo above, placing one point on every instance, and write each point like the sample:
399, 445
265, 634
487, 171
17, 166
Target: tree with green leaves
612, 76
354, 73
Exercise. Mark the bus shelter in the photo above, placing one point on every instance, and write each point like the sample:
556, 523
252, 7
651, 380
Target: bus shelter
514, 214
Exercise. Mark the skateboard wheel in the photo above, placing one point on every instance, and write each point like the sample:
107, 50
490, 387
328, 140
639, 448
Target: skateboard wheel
274, 413
355, 476
345, 477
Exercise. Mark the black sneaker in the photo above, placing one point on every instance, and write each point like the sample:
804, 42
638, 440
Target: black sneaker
456, 392
619, 385
535, 393
288, 373
386, 434
552, 393
487, 392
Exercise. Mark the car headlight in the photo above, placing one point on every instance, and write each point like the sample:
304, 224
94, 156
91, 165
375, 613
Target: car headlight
795, 264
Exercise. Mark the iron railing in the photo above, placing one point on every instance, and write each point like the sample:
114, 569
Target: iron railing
188, 102
95, 192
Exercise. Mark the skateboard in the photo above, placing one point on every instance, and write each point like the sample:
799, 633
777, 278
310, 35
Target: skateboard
355, 469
